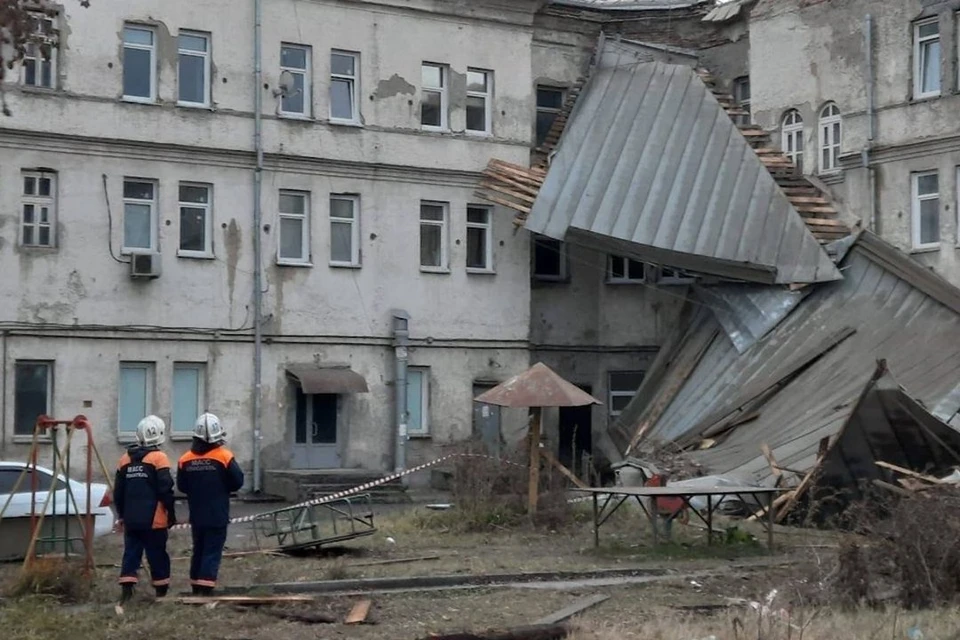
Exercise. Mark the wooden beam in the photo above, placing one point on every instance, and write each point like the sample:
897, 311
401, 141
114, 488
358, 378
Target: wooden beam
533, 490
774, 467
359, 612
522, 197
250, 601
908, 472
577, 607
543, 632
376, 563
516, 206
549, 457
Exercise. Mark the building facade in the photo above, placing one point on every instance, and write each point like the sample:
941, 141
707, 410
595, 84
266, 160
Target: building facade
863, 95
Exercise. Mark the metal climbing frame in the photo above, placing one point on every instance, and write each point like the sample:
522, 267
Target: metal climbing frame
312, 526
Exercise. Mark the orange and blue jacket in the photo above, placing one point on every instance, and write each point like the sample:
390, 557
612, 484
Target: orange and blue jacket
143, 493
208, 474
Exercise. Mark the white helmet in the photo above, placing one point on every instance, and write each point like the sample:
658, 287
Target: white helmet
151, 432
209, 429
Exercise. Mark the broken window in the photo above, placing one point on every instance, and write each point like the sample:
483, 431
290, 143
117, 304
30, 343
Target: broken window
926, 210
622, 386
193, 75
549, 259
791, 138
196, 220
39, 64
830, 138
139, 64
344, 68
38, 209
295, 61
479, 238
433, 236
188, 396
622, 269
741, 96
33, 394
135, 395
293, 246
344, 230
549, 103
479, 89
139, 214
433, 98
926, 59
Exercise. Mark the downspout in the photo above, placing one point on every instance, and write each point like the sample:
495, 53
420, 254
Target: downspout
257, 242
865, 158
401, 334
3, 394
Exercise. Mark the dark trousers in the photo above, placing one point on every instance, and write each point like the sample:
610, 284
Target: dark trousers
154, 543
207, 551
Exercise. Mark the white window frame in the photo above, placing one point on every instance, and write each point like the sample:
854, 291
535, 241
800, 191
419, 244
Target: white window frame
149, 396
207, 251
827, 143
619, 393
34, 52
564, 274
919, 52
201, 369
957, 203
354, 230
206, 55
625, 279
354, 81
50, 365
916, 199
307, 74
443, 91
154, 225
740, 101
487, 102
424, 430
444, 225
487, 228
304, 259
39, 201
791, 126
153, 62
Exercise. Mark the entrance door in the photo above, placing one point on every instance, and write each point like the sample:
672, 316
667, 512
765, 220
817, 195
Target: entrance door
315, 443
575, 434
486, 421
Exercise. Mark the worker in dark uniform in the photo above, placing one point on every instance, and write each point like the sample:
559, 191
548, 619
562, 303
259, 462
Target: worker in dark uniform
208, 474
143, 496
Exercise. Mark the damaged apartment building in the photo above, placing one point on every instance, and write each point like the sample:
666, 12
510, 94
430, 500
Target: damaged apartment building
272, 213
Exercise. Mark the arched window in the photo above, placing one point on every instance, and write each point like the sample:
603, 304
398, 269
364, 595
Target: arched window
791, 137
830, 131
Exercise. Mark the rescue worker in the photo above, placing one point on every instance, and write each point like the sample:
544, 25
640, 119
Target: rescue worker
143, 497
208, 474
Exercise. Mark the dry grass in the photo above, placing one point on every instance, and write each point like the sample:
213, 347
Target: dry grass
53, 577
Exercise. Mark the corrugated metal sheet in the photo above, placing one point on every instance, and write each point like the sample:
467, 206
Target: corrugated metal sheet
749, 312
882, 299
630, 5
652, 166
724, 12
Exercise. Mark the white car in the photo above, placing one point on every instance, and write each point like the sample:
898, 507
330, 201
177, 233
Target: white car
19, 507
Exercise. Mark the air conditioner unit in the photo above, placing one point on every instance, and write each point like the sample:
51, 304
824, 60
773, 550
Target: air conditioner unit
145, 264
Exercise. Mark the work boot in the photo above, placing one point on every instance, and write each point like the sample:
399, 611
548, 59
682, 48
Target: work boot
195, 589
162, 590
126, 593
206, 592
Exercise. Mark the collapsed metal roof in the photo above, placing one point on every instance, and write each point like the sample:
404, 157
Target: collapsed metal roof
652, 167
801, 382
631, 5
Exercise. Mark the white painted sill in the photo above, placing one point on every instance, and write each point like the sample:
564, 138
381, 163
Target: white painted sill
437, 270
356, 124
136, 100
192, 255
195, 105
481, 272
345, 265
929, 248
298, 117
291, 263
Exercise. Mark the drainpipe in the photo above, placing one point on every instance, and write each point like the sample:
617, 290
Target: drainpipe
401, 324
257, 242
871, 126
3, 394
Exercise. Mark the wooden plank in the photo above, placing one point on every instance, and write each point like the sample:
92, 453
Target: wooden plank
515, 168
359, 612
377, 563
303, 618
892, 488
577, 607
502, 202
532, 189
812, 208
522, 197
528, 180
908, 472
549, 457
824, 222
774, 468
252, 601
544, 632
809, 200
533, 490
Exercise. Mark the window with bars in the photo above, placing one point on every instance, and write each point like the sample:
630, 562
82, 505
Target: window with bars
38, 209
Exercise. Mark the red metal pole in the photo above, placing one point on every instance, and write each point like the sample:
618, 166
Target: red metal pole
81, 422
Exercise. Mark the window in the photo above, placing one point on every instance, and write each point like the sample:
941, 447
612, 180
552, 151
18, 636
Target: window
741, 96
294, 244
33, 395
139, 64
479, 88
433, 236
622, 269
549, 259
135, 395
38, 209
193, 77
791, 138
39, 64
196, 220
10, 478
418, 401
479, 238
189, 395
926, 59
622, 386
829, 138
433, 100
345, 231
295, 60
926, 210
139, 215
344, 68
549, 103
